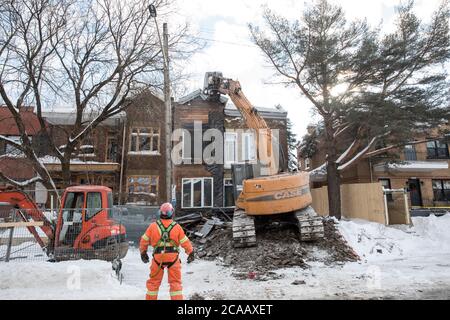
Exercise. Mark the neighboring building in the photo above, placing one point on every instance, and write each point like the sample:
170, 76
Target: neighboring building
200, 186
144, 166
12, 162
423, 169
96, 159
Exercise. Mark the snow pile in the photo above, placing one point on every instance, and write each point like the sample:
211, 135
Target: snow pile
63, 280
374, 241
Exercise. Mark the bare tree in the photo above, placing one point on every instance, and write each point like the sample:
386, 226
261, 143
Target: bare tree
89, 55
367, 87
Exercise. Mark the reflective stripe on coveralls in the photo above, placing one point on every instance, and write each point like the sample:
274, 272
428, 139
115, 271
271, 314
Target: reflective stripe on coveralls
176, 293
185, 238
152, 293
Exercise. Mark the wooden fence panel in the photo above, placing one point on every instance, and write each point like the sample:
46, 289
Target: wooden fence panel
320, 201
358, 201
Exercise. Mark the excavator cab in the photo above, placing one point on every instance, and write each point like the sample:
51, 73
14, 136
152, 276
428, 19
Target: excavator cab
86, 227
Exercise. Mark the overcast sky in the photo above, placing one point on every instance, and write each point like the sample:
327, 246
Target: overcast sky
223, 25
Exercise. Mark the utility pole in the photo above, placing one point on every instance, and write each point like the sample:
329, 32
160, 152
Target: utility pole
168, 114
167, 102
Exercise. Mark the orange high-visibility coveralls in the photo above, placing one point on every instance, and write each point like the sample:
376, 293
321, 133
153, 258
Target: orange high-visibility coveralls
162, 260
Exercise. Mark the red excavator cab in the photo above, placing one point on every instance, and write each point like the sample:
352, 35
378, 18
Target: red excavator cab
85, 227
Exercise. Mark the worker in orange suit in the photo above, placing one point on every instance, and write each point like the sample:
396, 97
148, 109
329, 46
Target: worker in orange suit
165, 236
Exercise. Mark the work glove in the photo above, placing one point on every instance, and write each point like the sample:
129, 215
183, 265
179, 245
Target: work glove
144, 257
190, 257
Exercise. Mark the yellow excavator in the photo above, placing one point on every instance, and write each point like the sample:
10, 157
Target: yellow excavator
261, 189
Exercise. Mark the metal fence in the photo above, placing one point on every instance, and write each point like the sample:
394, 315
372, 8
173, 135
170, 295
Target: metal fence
136, 220
39, 235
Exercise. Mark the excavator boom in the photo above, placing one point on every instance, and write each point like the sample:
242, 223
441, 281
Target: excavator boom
27, 208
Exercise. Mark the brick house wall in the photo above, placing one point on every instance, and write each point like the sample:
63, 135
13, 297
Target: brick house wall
144, 170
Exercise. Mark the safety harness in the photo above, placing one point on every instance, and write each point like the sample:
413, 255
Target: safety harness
165, 245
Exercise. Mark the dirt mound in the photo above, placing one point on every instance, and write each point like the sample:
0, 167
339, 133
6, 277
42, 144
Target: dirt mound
278, 246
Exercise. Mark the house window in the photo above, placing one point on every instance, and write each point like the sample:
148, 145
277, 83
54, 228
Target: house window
144, 141
386, 184
111, 149
197, 192
441, 190
189, 145
11, 149
410, 152
248, 146
143, 189
228, 198
437, 150
230, 149
86, 148
307, 163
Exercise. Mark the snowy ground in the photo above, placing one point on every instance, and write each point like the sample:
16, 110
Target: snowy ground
397, 262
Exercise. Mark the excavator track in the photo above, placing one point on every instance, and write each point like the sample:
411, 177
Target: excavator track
244, 234
310, 224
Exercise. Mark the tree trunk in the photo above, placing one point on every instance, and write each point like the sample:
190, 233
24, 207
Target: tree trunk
334, 187
65, 172
333, 177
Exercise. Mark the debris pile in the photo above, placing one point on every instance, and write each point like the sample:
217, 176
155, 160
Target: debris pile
278, 246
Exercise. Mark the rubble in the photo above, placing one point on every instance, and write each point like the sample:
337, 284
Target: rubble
278, 246
196, 296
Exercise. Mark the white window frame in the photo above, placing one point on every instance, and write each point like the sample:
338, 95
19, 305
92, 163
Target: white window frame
150, 135
247, 147
229, 137
192, 193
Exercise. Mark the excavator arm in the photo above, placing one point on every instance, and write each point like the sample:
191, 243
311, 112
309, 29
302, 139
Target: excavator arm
215, 83
27, 209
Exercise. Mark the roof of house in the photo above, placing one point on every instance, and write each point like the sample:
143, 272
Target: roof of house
68, 116
267, 113
198, 94
8, 125
230, 108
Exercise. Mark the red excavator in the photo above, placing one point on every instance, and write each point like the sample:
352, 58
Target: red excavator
84, 229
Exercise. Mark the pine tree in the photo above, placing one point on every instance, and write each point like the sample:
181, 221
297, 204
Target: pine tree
367, 87
292, 146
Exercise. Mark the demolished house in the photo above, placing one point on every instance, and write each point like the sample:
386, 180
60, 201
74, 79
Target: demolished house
200, 186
